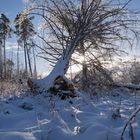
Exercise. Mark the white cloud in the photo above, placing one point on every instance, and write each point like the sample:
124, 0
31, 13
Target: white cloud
12, 46
25, 1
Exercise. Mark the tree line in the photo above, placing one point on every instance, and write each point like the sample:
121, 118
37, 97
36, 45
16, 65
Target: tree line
24, 30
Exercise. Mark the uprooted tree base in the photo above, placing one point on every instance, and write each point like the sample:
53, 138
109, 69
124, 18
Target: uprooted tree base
61, 87
65, 89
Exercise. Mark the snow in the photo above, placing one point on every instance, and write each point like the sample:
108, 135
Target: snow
80, 118
60, 67
58, 70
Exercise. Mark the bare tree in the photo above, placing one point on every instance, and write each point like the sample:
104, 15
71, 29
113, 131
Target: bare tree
101, 24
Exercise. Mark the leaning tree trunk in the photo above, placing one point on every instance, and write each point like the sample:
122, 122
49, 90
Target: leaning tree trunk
60, 68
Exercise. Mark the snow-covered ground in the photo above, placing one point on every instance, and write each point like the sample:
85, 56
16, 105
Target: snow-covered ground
82, 118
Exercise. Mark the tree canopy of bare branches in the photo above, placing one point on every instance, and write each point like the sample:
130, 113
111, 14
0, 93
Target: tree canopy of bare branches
98, 23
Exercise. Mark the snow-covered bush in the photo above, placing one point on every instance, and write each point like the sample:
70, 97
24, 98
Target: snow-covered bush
135, 72
97, 78
9, 88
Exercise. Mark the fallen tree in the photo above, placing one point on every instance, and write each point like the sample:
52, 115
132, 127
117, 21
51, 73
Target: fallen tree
128, 86
96, 22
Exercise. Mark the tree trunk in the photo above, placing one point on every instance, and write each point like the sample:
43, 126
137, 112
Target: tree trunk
4, 57
29, 61
84, 76
60, 68
1, 61
18, 61
25, 57
84, 67
35, 71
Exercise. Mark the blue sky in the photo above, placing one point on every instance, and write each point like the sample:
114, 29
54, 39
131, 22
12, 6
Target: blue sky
11, 7
136, 4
